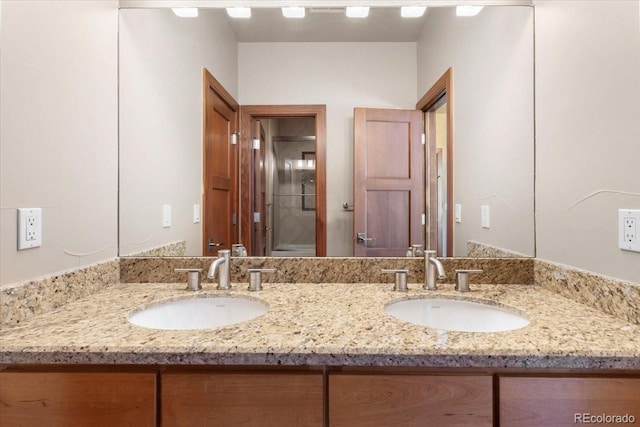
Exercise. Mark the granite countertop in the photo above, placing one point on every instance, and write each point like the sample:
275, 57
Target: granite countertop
325, 324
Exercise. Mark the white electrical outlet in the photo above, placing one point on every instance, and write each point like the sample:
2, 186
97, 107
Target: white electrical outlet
629, 229
484, 209
29, 228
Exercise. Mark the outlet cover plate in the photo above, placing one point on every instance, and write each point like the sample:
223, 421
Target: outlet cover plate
29, 228
629, 229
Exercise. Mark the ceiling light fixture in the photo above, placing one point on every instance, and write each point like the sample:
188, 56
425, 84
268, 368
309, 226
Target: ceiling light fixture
185, 12
293, 12
357, 11
468, 10
412, 11
239, 12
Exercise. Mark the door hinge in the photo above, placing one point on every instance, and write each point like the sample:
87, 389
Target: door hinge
234, 219
424, 139
256, 144
234, 138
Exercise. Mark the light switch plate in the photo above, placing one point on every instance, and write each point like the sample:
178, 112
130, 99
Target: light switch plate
166, 216
629, 229
29, 228
457, 208
484, 209
196, 214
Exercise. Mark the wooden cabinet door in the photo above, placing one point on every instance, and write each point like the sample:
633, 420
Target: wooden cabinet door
77, 399
246, 399
540, 402
410, 400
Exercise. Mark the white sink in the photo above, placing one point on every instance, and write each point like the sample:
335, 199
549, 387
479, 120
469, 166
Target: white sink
456, 315
199, 313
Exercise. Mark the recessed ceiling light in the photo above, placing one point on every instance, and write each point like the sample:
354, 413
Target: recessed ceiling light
293, 12
357, 11
468, 10
412, 11
185, 12
239, 12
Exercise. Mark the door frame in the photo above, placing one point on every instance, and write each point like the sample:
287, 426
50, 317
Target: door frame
251, 112
209, 81
442, 87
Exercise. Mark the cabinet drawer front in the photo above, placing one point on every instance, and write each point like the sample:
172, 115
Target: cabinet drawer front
251, 399
539, 402
77, 399
410, 400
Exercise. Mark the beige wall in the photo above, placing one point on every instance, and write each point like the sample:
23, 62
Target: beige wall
342, 76
492, 59
58, 113
161, 60
588, 132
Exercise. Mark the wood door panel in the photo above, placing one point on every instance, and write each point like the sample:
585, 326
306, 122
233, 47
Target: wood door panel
544, 402
256, 399
218, 147
410, 400
219, 230
77, 399
384, 163
382, 209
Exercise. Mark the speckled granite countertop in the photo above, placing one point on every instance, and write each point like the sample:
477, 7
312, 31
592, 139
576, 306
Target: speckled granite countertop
325, 324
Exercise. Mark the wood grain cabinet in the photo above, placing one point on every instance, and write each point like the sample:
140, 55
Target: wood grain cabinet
410, 400
559, 401
246, 399
77, 399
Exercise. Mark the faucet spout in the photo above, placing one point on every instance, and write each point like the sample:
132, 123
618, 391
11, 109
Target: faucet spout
433, 270
221, 266
214, 267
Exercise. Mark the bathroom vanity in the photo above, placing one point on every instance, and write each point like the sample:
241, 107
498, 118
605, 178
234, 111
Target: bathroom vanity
323, 354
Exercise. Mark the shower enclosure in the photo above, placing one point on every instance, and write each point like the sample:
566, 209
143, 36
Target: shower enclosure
293, 195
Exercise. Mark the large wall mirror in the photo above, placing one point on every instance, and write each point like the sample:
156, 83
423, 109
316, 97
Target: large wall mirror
383, 61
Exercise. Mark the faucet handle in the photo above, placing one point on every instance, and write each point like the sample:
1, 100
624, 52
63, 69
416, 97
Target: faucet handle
193, 278
255, 282
400, 284
462, 279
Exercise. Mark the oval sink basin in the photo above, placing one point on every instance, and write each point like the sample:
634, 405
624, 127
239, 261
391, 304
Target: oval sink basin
199, 313
456, 315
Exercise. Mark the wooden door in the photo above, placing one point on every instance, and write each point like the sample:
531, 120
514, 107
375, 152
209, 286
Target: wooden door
259, 192
220, 156
389, 190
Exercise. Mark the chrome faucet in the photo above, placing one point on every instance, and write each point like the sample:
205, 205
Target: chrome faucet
222, 264
432, 266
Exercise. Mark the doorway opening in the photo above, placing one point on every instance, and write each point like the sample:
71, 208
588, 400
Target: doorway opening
437, 107
283, 187
284, 183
